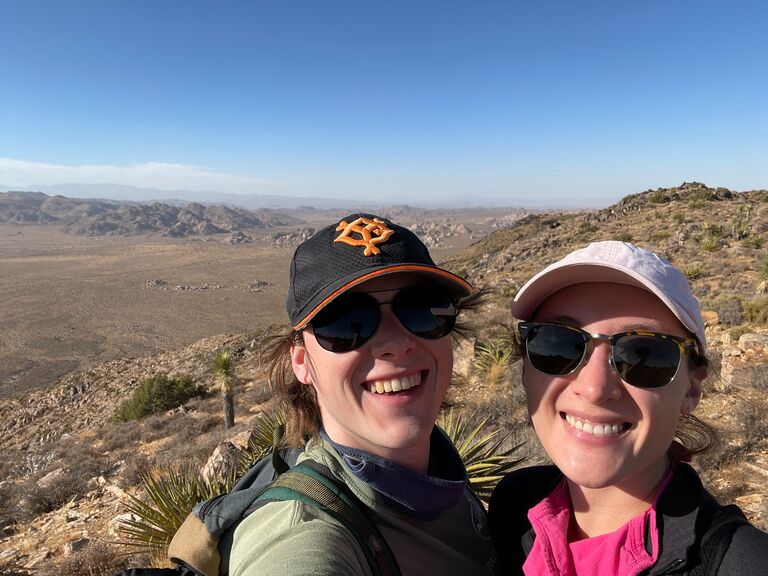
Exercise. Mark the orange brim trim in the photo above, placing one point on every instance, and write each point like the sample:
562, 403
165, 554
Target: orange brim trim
374, 274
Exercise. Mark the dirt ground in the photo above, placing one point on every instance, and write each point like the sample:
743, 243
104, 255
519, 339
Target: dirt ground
68, 302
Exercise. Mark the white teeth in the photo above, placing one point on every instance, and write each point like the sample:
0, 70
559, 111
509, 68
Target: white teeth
395, 384
594, 429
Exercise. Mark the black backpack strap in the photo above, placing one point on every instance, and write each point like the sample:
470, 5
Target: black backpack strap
313, 484
724, 521
513, 496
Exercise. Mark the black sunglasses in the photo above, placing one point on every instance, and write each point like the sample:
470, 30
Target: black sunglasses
642, 359
351, 320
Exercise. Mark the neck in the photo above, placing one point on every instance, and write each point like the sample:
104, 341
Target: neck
597, 511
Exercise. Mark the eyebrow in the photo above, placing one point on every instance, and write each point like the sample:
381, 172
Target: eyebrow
650, 326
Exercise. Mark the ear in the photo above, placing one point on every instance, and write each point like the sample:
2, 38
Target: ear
300, 364
694, 392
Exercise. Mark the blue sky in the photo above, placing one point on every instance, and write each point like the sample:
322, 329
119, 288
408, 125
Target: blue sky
543, 104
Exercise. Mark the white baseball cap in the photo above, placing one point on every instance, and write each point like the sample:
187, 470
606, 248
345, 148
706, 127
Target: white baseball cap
619, 263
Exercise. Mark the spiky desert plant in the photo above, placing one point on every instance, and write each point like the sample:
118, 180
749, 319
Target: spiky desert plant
493, 357
171, 495
487, 454
224, 370
266, 433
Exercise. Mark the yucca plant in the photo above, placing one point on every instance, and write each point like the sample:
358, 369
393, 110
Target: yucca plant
224, 370
266, 433
493, 357
487, 455
171, 497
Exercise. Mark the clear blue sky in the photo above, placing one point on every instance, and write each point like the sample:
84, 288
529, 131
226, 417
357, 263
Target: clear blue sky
535, 103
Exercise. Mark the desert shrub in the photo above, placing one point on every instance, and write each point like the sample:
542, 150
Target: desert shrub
756, 310
737, 332
658, 197
118, 435
96, 559
624, 237
678, 217
731, 312
136, 467
714, 231
754, 241
762, 267
494, 356
588, 228
710, 244
35, 500
157, 394
693, 271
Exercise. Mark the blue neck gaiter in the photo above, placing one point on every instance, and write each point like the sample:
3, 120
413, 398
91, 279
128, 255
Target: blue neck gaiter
423, 496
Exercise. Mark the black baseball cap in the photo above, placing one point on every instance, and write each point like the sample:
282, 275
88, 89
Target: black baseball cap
354, 250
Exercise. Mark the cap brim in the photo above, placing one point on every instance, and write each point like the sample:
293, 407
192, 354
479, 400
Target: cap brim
456, 285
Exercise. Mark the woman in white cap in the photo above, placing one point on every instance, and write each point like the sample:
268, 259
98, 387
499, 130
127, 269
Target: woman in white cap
614, 357
361, 374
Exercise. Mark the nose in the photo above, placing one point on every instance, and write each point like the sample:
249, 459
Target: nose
391, 339
596, 380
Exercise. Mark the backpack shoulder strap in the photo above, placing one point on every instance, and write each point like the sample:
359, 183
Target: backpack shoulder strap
724, 521
513, 496
313, 484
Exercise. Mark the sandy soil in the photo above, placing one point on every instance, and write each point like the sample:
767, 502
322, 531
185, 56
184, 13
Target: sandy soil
68, 302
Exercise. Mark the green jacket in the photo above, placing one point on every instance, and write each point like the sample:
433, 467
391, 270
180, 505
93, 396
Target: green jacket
290, 539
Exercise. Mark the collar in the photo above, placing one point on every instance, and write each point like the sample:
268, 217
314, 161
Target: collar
423, 496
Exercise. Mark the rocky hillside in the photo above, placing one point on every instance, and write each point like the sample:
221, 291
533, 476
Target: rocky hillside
718, 237
63, 440
98, 217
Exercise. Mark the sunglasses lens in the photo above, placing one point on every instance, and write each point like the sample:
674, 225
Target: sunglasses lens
553, 349
646, 361
424, 312
347, 322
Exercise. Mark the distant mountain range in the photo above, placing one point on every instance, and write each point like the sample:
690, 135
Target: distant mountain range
99, 217
177, 197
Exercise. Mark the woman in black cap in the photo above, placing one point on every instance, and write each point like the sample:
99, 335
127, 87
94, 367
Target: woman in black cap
361, 375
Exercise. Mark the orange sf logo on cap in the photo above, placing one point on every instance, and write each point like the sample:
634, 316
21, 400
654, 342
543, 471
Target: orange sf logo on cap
371, 232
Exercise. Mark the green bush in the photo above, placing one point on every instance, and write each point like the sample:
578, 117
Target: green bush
158, 394
693, 271
737, 332
658, 197
714, 230
763, 267
753, 241
756, 310
710, 244
624, 237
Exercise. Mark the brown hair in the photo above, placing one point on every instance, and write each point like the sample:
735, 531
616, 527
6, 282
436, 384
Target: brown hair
298, 401
696, 436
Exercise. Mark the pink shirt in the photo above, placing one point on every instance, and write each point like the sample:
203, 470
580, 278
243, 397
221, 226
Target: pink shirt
621, 552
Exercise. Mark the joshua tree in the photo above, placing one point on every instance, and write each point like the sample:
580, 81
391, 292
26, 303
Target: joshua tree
223, 369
